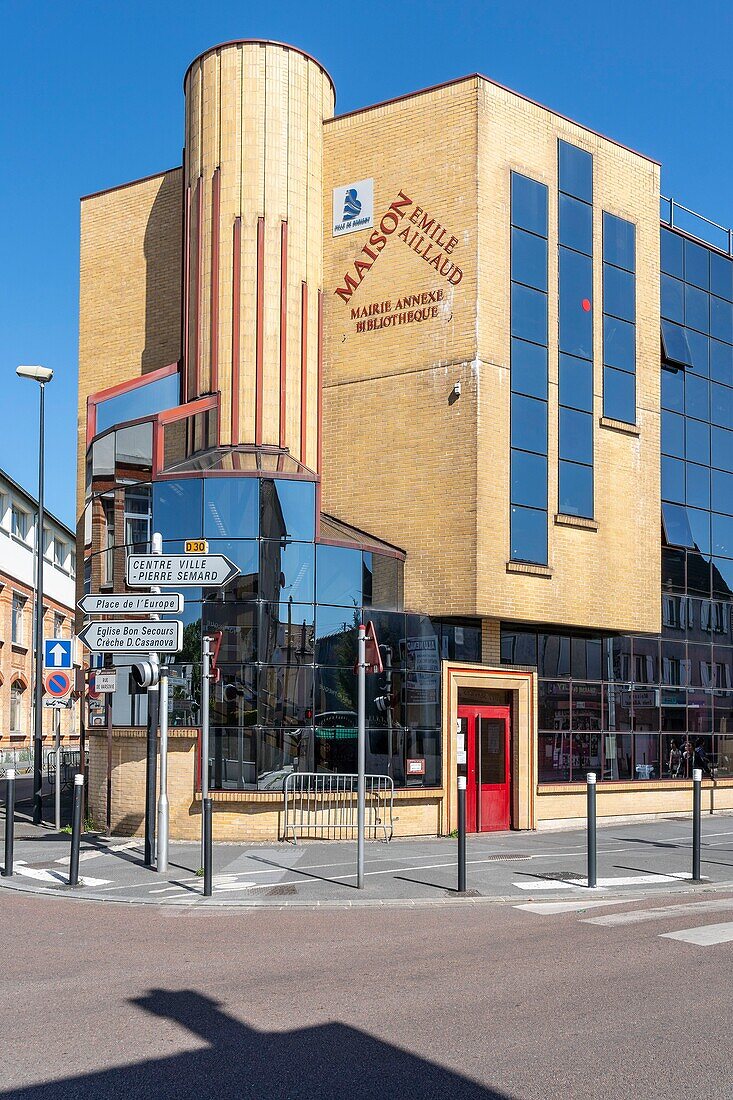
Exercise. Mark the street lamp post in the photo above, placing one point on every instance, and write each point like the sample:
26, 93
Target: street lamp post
42, 375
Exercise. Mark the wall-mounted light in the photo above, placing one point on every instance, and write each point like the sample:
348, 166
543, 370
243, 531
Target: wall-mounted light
455, 393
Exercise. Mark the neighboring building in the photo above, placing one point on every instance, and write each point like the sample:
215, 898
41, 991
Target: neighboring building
18, 530
436, 320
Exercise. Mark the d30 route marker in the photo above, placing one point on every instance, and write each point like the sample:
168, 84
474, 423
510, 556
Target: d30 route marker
164, 636
181, 570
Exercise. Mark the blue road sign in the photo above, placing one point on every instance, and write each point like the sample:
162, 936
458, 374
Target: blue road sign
57, 652
58, 684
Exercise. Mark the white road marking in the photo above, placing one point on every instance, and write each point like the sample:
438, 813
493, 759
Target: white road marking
603, 883
664, 912
56, 876
548, 908
705, 936
82, 856
123, 847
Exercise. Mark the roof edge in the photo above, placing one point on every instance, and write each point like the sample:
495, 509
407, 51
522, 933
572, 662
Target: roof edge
131, 183
261, 42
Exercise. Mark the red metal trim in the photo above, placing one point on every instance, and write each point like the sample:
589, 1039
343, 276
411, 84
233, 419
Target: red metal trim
182, 412
130, 183
214, 301
283, 326
258, 42
236, 323
502, 88
132, 383
365, 547
260, 329
158, 455
198, 333
303, 370
319, 451
186, 291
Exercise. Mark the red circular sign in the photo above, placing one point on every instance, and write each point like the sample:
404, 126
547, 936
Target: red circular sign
586, 304
58, 684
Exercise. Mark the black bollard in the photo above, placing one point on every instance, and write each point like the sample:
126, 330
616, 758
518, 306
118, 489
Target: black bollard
461, 834
208, 846
592, 855
9, 822
76, 830
696, 821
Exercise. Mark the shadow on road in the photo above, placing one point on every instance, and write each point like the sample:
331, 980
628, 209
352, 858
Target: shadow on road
329, 1062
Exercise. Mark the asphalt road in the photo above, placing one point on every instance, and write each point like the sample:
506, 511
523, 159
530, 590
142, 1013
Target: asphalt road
470, 1003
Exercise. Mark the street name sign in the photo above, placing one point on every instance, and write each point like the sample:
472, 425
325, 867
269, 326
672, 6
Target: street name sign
132, 603
105, 683
57, 652
163, 636
181, 570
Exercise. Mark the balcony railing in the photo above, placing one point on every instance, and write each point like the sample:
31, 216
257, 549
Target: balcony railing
677, 216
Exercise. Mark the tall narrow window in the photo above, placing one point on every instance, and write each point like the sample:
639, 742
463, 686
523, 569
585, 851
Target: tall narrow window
575, 368
528, 535
16, 706
17, 619
619, 317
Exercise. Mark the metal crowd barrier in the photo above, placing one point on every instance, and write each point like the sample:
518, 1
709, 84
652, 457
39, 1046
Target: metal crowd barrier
19, 760
324, 805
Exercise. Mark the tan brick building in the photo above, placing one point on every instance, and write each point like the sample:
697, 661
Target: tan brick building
436, 320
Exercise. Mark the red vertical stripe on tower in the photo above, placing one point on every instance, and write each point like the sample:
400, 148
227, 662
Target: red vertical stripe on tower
283, 326
236, 322
186, 291
259, 350
214, 303
199, 280
319, 451
303, 372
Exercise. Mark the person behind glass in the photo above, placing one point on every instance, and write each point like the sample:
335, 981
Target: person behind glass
701, 758
688, 755
675, 760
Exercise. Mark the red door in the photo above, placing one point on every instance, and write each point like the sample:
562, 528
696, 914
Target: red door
488, 782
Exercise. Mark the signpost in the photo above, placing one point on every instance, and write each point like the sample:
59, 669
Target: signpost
180, 570
132, 603
368, 659
131, 636
57, 652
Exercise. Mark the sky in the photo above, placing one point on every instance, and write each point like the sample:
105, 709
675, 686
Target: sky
91, 96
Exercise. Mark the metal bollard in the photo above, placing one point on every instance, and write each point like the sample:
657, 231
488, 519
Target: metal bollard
696, 821
9, 822
76, 830
461, 834
592, 854
208, 846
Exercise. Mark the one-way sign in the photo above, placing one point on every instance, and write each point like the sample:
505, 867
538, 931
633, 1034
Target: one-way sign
132, 603
181, 570
140, 636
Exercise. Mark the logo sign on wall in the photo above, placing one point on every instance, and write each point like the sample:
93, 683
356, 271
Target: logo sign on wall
353, 207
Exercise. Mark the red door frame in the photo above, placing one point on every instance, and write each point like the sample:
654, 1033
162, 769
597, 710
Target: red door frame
488, 805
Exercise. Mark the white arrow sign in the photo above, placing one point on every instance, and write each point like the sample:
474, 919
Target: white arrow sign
58, 653
181, 570
132, 603
165, 636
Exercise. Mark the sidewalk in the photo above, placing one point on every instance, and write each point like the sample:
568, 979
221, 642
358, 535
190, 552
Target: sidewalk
632, 860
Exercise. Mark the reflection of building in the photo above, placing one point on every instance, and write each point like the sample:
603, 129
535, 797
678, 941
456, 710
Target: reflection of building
459, 356
18, 531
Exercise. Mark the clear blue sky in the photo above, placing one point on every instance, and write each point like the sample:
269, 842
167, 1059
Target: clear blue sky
91, 96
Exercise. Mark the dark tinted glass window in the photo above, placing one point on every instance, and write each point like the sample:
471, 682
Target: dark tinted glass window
672, 255
697, 268
723, 535
338, 575
529, 259
529, 204
722, 449
697, 397
697, 314
177, 508
619, 288
721, 276
673, 480
673, 299
528, 535
576, 489
231, 507
673, 390
699, 347
675, 345
722, 406
529, 479
673, 434
285, 695
286, 571
619, 344
721, 319
529, 314
576, 298
576, 435
529, 424
697, 441
722, 492
619, 395
619, 242
698, 485
721, 362
286, 633
576, 382
576, 224
529, 369
287, 509
575, 171
676, 525
700, 527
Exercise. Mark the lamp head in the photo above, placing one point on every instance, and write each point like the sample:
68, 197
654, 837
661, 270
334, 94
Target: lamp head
37, 374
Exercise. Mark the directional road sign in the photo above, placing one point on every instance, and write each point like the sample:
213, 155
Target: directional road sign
141, 636
181, 570
57, 684
132, 603
57, 652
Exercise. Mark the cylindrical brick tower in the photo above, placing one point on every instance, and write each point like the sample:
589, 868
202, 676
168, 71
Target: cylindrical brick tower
253, 229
